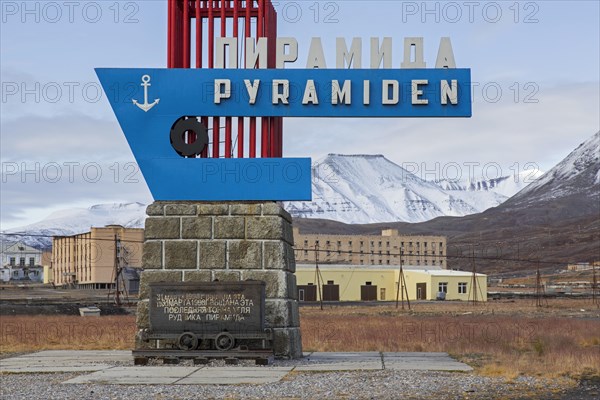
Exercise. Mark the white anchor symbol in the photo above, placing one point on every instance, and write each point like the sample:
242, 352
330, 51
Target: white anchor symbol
146, 107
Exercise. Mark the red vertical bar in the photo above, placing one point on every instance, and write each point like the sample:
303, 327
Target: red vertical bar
260, 21
280, 137
198, 36
178, 34
186, 34
253, 137
205, 151
228, 124
227, 119
247, 34
211, 34
216, 126
240, 138
236, 26
170, 34
264, 138
247, 25
263, 121
223, 20
273, 139
216, 137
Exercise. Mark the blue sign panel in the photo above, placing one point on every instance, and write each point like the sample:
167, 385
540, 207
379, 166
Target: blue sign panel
172, 177
293, 92
216, 179
148, 103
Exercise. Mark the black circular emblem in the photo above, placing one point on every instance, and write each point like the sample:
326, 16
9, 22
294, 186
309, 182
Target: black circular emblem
189, 125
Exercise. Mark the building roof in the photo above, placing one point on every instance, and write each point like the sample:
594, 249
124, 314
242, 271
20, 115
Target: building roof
433, 270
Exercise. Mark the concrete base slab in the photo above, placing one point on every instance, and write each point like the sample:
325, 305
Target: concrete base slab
235, 376
136, 375
64, 361
341, 366
116, 367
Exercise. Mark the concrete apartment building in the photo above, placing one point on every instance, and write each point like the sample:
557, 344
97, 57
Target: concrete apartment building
380, 283
373, 250
89, 260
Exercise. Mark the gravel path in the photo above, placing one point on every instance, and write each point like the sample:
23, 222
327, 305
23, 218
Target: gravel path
334, 385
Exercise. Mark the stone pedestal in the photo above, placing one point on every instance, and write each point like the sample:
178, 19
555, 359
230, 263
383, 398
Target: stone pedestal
204, 242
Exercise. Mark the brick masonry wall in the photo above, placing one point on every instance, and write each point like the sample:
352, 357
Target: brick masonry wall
204, 242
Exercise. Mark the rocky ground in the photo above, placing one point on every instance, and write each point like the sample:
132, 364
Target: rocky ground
386, 384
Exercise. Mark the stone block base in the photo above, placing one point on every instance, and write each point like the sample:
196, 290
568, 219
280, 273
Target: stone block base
205, 242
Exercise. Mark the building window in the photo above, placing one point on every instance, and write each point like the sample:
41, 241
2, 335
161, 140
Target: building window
387, 244
12, 261
379, 244
316, 242
31, 261
361, 243
443, 287
425, 244
462, 287
350, 243
306, 242
327, 243
21, 261
339, 243
372, 244
305, 252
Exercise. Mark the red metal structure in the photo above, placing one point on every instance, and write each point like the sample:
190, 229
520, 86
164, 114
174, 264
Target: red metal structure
191, 36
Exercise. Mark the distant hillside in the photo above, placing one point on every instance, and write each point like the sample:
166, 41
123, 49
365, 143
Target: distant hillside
556, 220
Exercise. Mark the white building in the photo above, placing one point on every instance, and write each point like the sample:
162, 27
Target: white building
19, 255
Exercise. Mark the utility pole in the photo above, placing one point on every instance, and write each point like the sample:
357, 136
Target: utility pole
540, 292
594, 286
401, 286
474, 276
318, 274
117, 271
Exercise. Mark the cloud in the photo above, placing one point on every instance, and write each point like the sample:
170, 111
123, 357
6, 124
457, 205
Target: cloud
505, 132
63, 137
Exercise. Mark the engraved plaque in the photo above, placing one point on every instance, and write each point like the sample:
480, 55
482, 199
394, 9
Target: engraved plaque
207, 307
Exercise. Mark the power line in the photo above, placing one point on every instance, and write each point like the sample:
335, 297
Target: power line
446, 256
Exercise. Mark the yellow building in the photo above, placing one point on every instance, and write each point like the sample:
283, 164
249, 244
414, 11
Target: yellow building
90, 260
48, 274
368, 283
384, 249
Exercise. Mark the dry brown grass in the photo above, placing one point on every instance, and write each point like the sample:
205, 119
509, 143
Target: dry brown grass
496, 345
32, 333
494, 342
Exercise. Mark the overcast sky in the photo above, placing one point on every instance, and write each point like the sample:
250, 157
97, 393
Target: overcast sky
536, 66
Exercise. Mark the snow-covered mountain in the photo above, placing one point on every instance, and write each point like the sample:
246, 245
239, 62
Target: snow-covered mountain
346, 188
576, 175
77, 220
370, 188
